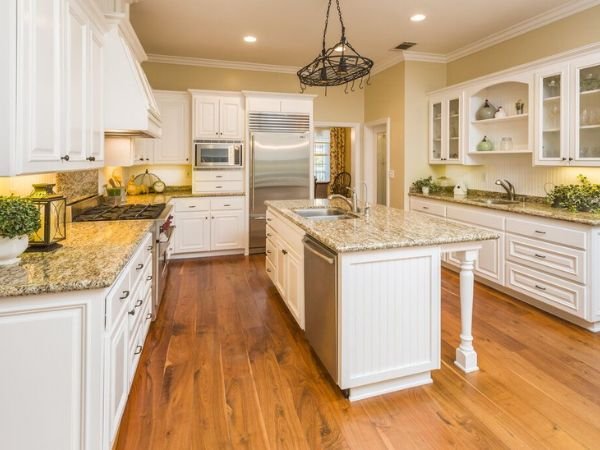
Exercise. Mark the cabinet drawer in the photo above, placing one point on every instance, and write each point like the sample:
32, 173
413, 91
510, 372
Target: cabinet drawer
140, 265
218, 186
555, 259
118, 298
548, 289
476, 217
192, 204
226, 203
437, 209
559, 235
271, 231
219, 175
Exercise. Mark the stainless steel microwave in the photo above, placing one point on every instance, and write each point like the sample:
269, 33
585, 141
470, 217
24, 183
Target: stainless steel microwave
218, 154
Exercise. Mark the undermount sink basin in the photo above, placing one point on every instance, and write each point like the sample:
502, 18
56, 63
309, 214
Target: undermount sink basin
324, 213
495, 201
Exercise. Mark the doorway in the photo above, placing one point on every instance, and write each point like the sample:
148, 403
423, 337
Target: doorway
377, 161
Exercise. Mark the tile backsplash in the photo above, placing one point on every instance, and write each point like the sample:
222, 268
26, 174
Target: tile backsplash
517, 169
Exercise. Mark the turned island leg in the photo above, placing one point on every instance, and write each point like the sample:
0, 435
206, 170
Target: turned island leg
466, 357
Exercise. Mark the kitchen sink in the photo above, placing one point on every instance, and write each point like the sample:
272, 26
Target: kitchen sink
324, 213
495, 201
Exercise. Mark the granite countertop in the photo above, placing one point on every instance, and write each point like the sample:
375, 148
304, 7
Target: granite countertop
523, 207
167, 196
384, 228
91, 257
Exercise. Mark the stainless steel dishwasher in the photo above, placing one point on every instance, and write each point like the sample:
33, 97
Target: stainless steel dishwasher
321, 311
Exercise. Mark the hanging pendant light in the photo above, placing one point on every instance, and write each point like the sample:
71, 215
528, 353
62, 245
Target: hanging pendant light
332, 67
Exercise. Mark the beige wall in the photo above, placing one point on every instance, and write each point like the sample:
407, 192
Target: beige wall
385, 98
566, 34
337, 106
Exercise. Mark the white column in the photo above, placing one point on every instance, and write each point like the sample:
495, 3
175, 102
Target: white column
466, 357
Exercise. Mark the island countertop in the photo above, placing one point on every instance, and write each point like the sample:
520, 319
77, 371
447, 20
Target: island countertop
385, 228
91, 257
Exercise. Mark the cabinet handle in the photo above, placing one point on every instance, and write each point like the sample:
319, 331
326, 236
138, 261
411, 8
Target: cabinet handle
147, 159
570, 158
138, 350
139, 303
269, 252
213, 217
149, 278
139, 266
269, 270
65, 158
206, 218
227, 205
425, 207
219, 187
269, 220
149, 316
149, 248
217, 133
141, 159
284, 252
192, 206
91, 158
269, 235
564, 158
219, 176
125, 295
540, 232
540, 256
541, 288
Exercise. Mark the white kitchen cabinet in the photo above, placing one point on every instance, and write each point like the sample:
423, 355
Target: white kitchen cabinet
56, 68
445, 128
117, 375
217, 115
208, 226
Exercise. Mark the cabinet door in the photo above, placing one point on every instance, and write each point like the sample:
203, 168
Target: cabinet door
281, 267
435, 131
41, 117
294, 293
116, 387
192, 233
586, 109
95, 91
551, 118
227, 230
206, 118
76, 45
231, 118
144, 150
175, 144
453, 143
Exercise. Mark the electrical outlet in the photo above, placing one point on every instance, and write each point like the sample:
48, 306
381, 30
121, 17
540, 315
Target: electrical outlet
392, 174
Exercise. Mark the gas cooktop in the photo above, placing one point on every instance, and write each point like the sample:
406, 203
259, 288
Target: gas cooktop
121, 212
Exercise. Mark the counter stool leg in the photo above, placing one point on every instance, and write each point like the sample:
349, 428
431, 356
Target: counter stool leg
466, 357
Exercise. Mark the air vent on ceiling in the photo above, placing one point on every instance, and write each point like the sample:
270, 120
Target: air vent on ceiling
405, 45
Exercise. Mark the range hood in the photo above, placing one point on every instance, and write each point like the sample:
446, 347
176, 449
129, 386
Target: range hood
129, 105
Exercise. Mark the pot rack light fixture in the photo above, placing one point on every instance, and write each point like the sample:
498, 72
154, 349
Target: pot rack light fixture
336, 65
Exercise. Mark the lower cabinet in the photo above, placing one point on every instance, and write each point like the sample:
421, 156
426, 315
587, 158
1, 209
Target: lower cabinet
285, 263
117, 375
205, 225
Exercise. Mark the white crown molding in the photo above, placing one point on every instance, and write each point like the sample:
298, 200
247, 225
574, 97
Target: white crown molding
425, 57
221, 64
523, 27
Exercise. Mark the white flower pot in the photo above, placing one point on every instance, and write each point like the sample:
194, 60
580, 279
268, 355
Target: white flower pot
425, 190
11, 249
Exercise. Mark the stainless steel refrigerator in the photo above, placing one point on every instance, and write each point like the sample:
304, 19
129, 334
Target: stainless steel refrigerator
279, 170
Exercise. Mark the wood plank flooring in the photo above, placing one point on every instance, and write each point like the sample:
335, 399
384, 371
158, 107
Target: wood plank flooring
226, 367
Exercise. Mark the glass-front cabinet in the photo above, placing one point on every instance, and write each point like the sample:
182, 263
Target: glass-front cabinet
586, 102
552, 118
445, 122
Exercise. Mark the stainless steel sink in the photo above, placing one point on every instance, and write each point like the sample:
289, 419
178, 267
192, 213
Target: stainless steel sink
324, 213
495, 201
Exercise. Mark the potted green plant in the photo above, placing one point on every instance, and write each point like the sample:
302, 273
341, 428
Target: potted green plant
584, 197
426, 185
18, 219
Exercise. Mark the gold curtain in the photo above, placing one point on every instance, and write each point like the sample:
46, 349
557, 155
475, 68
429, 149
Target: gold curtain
337, 153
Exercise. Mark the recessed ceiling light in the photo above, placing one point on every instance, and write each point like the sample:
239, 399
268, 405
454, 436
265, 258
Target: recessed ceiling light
249, 39
418, 17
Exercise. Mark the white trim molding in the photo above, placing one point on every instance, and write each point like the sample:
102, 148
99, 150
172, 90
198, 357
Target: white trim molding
221, 64
523, 27
425, 57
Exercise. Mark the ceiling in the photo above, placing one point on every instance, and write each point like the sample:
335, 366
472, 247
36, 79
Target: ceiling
289, 32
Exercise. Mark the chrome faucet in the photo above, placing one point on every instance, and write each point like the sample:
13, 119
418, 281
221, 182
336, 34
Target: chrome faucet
508, 187
353, 204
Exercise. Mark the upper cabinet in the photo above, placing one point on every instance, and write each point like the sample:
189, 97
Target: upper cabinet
53, 55
445, 128
217, 116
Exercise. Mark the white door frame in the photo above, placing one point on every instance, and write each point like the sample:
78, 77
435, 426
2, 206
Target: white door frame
370, 158
355, 146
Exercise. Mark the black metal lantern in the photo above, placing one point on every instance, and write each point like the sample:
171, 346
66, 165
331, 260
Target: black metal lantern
338, 65
53, 216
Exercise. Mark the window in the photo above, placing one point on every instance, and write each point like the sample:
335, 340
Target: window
321, 155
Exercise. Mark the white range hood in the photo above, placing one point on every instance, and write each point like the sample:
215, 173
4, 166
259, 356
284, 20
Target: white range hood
129, 105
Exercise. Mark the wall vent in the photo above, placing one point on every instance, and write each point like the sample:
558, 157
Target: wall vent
405, 45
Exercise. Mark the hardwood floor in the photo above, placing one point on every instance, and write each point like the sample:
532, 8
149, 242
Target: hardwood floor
225, 366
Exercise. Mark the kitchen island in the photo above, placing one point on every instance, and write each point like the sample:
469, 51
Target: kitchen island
387, 289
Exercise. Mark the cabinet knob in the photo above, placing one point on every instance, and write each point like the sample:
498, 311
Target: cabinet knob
570, 159
564, 158
132, 312
284, 252
147, 159
91, 158
141, 159
149, 316
138, 350
269, 270
65, 158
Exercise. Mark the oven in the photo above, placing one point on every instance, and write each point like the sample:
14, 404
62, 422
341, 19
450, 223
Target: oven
222, 154
164, 235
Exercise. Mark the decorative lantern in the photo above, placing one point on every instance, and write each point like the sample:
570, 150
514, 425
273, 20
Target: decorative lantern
53, 216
